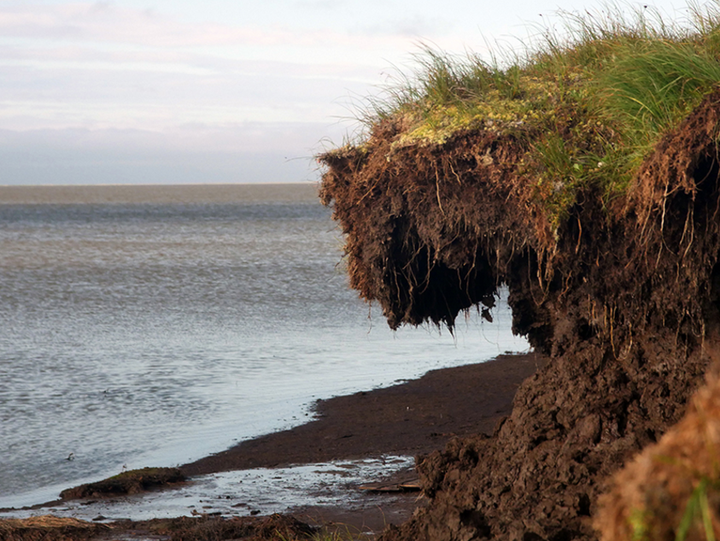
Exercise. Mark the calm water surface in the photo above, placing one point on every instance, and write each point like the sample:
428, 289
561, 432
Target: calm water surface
153, 326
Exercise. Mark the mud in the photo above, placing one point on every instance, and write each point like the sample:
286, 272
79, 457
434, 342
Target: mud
622, 295
129, 482
48, 528
272, 528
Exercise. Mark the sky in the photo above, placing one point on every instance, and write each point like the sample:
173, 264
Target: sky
221, 91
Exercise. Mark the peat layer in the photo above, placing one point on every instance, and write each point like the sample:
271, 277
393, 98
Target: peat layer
622, 295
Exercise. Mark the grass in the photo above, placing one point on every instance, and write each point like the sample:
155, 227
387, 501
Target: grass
696, 521
697, 507
590, 101
341, 533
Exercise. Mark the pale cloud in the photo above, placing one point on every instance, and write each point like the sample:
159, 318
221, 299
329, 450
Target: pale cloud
414, 26
106, 23
319, 5
247, 137
142, 97
192, 62
99, 66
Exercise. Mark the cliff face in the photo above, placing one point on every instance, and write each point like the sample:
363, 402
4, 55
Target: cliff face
623, 295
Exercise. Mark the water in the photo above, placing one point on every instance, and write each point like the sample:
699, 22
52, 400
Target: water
242, 493
155, 325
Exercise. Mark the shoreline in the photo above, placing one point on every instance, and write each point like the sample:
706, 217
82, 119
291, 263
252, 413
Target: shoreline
410, 418
75, 194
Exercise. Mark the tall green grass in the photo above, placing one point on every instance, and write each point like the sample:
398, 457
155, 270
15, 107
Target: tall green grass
591, 99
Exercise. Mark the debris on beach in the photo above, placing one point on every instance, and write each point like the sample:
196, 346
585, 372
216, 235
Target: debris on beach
406, 486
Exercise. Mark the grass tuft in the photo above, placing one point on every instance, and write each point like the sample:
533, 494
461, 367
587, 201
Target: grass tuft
590, 100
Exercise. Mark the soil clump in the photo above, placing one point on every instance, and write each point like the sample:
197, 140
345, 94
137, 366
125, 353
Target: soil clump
49, 528
623, 296
128, 482
271, 528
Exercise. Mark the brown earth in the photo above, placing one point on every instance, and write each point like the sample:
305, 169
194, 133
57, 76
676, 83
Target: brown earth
623, 296
670, 491
49, 528
412, 418
271, 528
129, 482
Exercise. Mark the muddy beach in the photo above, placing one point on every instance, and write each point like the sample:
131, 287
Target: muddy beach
413, 418
409, 419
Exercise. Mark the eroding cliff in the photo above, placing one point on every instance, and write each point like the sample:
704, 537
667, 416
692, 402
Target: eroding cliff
622, 293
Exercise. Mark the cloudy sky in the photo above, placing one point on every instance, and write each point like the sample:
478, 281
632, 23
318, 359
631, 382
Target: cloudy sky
179, 91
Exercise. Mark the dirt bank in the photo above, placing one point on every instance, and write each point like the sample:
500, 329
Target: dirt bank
622, 294
49, 528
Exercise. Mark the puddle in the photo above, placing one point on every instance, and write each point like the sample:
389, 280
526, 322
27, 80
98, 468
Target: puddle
261, 491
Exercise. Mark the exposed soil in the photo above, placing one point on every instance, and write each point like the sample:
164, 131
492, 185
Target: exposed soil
622, 295
659, 495
272, 528
49, 528
412, 418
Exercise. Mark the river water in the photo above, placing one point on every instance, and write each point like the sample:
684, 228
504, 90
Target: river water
151, 326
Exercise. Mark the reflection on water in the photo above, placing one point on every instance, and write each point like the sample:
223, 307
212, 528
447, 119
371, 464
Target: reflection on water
153, 333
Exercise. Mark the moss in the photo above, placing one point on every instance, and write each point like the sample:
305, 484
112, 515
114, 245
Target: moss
494, 111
